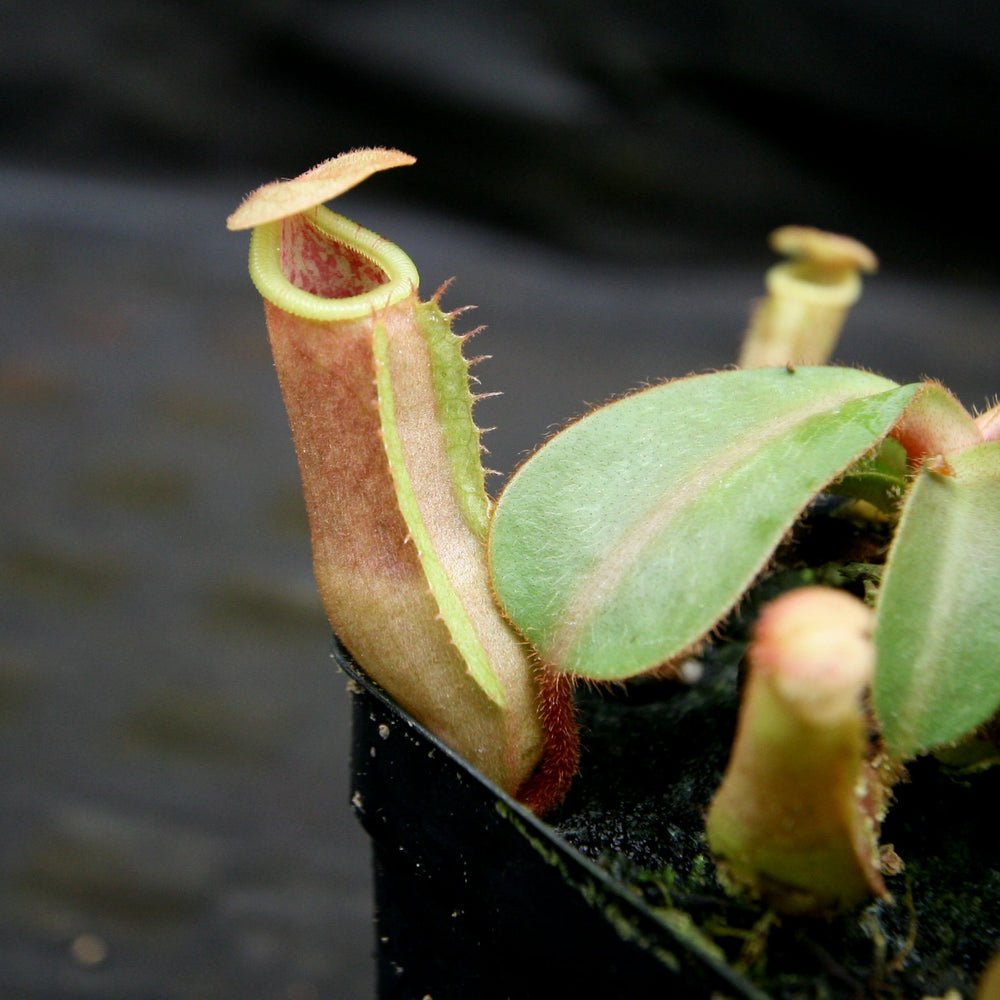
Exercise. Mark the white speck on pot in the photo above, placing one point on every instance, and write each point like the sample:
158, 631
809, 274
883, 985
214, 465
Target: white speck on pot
383, 731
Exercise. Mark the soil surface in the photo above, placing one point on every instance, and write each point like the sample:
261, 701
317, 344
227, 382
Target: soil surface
936, 934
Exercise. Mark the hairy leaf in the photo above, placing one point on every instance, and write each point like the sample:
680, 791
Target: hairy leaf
629, 535
937, 631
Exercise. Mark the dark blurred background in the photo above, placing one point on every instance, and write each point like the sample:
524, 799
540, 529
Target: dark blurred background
599, 176
602, 126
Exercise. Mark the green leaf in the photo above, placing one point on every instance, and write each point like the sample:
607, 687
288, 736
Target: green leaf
879, 478
938, 630
629, 535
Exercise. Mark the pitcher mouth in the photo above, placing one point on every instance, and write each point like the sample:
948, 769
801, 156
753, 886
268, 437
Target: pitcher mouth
324, 267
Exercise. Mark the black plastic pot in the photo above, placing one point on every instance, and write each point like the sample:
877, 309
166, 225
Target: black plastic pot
476, 898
